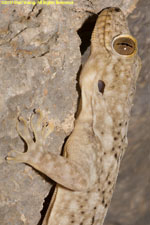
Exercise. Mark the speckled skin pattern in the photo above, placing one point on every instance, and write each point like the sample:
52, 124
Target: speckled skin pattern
87, 172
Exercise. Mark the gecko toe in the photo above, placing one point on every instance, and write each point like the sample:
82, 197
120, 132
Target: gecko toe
23, 130
16, 157
36, 122
48, 128
40, 126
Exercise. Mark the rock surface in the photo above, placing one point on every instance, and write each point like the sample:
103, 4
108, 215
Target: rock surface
39, 61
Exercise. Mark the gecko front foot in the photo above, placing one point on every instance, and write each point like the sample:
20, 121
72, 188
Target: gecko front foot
34, 135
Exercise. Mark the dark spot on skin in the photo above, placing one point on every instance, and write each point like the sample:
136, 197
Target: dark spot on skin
101, 86
117, 10
98, 189
103, 201
34, 110
102, 132
95, 207
72, 221
115, 138
107, 24
103, 192
104, 153
82, 212
46, 124
93, 218
81, 223
81, 206
106, 205
119, 146
120, 124
107, 176
116, 155
109, 182
126, 123
113, 149
118, 133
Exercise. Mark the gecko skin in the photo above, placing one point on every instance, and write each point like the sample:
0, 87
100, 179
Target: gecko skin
87, 172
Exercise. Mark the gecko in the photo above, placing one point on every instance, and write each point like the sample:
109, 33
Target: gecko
87, 171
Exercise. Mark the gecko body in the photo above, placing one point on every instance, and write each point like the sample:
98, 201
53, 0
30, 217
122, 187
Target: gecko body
87, 172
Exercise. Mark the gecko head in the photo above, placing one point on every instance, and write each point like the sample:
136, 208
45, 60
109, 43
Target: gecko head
117, 48
114, 50
111, 34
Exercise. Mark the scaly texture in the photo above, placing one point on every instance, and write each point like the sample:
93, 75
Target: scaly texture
87, 173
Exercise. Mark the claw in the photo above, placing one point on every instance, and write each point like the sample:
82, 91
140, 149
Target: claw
48, 127
36, 122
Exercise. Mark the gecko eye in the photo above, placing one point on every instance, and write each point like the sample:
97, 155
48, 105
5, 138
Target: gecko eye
124, 45
101, 86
